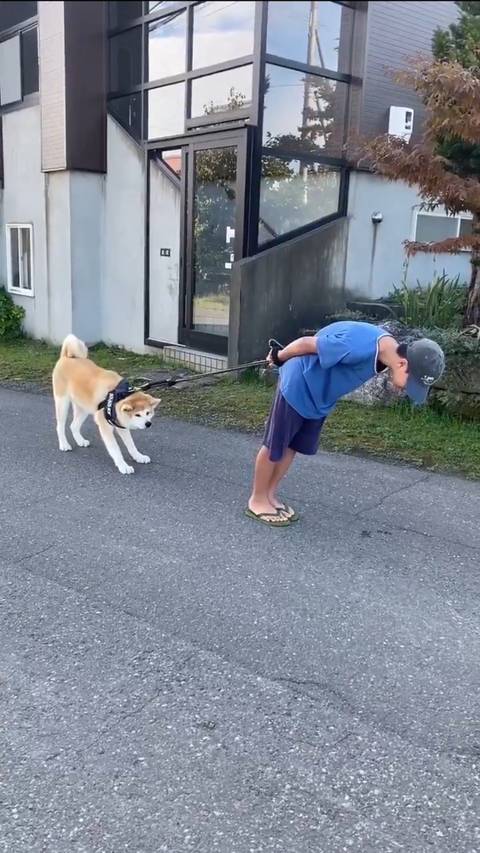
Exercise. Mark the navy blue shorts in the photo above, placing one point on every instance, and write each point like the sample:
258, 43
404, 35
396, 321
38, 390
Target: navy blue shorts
286, 428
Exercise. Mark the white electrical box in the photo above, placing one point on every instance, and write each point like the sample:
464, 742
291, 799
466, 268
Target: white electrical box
400, 122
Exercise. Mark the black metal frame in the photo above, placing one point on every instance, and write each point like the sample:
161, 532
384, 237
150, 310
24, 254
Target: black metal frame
241, 139
227, 126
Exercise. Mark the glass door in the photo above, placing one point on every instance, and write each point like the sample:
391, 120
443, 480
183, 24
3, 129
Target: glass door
214, 238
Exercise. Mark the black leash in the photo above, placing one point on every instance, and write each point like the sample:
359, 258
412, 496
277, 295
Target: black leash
125, 388
169, 383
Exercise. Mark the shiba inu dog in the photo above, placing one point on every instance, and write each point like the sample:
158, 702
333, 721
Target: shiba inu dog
91, 390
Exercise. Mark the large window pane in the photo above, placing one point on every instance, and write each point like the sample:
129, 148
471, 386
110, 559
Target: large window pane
222, 93
128, 112
303, 112
126, 60
122, 12
166, 111
293, 194
315, 33
166, 46
29, 58
222, 31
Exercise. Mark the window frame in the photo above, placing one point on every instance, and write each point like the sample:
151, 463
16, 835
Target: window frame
438, 212
18, 226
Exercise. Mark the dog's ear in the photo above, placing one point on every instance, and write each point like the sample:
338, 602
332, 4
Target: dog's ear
154, 402
126, 407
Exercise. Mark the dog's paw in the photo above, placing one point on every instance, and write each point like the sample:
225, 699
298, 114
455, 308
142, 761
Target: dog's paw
125, 469
83, 442
65, 446
142, 459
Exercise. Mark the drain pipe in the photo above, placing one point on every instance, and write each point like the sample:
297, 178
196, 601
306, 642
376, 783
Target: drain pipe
377, 218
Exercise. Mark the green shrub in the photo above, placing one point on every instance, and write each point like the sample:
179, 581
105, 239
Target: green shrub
439, 304
11, 317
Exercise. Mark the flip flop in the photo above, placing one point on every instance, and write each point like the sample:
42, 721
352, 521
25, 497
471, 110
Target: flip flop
263, 517
292, 514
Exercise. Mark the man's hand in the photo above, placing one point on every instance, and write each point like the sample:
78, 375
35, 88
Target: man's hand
302, 346
272, 357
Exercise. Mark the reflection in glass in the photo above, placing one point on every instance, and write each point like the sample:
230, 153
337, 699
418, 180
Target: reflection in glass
214, 208
222, 93
14, 232
293, 194
430, 228
166, 46
158, 7
222, 31
120, 13
126, 60
173, 159
303, 112
128, 112
12, 14
25, 254
166, 111
314, 33
29, 55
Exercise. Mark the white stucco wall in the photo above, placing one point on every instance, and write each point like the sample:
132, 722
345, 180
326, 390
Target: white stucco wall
122, 290
24, 202
373, 275
57, 290
165, 210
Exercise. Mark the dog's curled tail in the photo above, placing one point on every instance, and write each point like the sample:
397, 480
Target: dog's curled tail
73, 347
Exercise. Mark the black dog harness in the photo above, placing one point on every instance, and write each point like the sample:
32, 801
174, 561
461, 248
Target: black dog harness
122, 390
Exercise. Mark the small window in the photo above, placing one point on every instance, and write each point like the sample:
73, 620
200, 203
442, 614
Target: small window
434, 226
20, 259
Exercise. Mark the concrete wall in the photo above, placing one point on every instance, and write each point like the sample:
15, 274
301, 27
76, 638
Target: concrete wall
56, 290
164, 272
122, 297
87, 200
374, 267
286, 288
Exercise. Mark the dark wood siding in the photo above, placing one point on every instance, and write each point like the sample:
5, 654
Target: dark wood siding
396, 32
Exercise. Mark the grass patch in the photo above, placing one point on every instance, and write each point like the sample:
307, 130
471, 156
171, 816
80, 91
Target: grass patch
421, 437
33, 361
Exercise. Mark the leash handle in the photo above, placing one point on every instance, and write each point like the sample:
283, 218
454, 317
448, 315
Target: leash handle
275, 346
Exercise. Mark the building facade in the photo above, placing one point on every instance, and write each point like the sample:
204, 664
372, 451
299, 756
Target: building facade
175, 173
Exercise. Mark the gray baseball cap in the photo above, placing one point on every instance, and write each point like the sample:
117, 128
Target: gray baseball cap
426, 363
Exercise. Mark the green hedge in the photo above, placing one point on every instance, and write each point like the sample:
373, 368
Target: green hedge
11, 317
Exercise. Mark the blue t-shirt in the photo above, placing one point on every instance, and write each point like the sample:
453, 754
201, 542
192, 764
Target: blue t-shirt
347, 354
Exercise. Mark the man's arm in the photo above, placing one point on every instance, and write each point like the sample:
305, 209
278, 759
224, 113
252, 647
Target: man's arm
302, 346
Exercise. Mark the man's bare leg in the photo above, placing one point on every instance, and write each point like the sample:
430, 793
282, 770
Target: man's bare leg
264, 471
278, 474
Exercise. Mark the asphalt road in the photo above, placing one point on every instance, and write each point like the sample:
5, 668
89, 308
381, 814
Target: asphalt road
175, 678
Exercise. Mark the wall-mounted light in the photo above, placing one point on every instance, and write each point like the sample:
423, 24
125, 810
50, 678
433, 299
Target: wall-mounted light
377, 217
